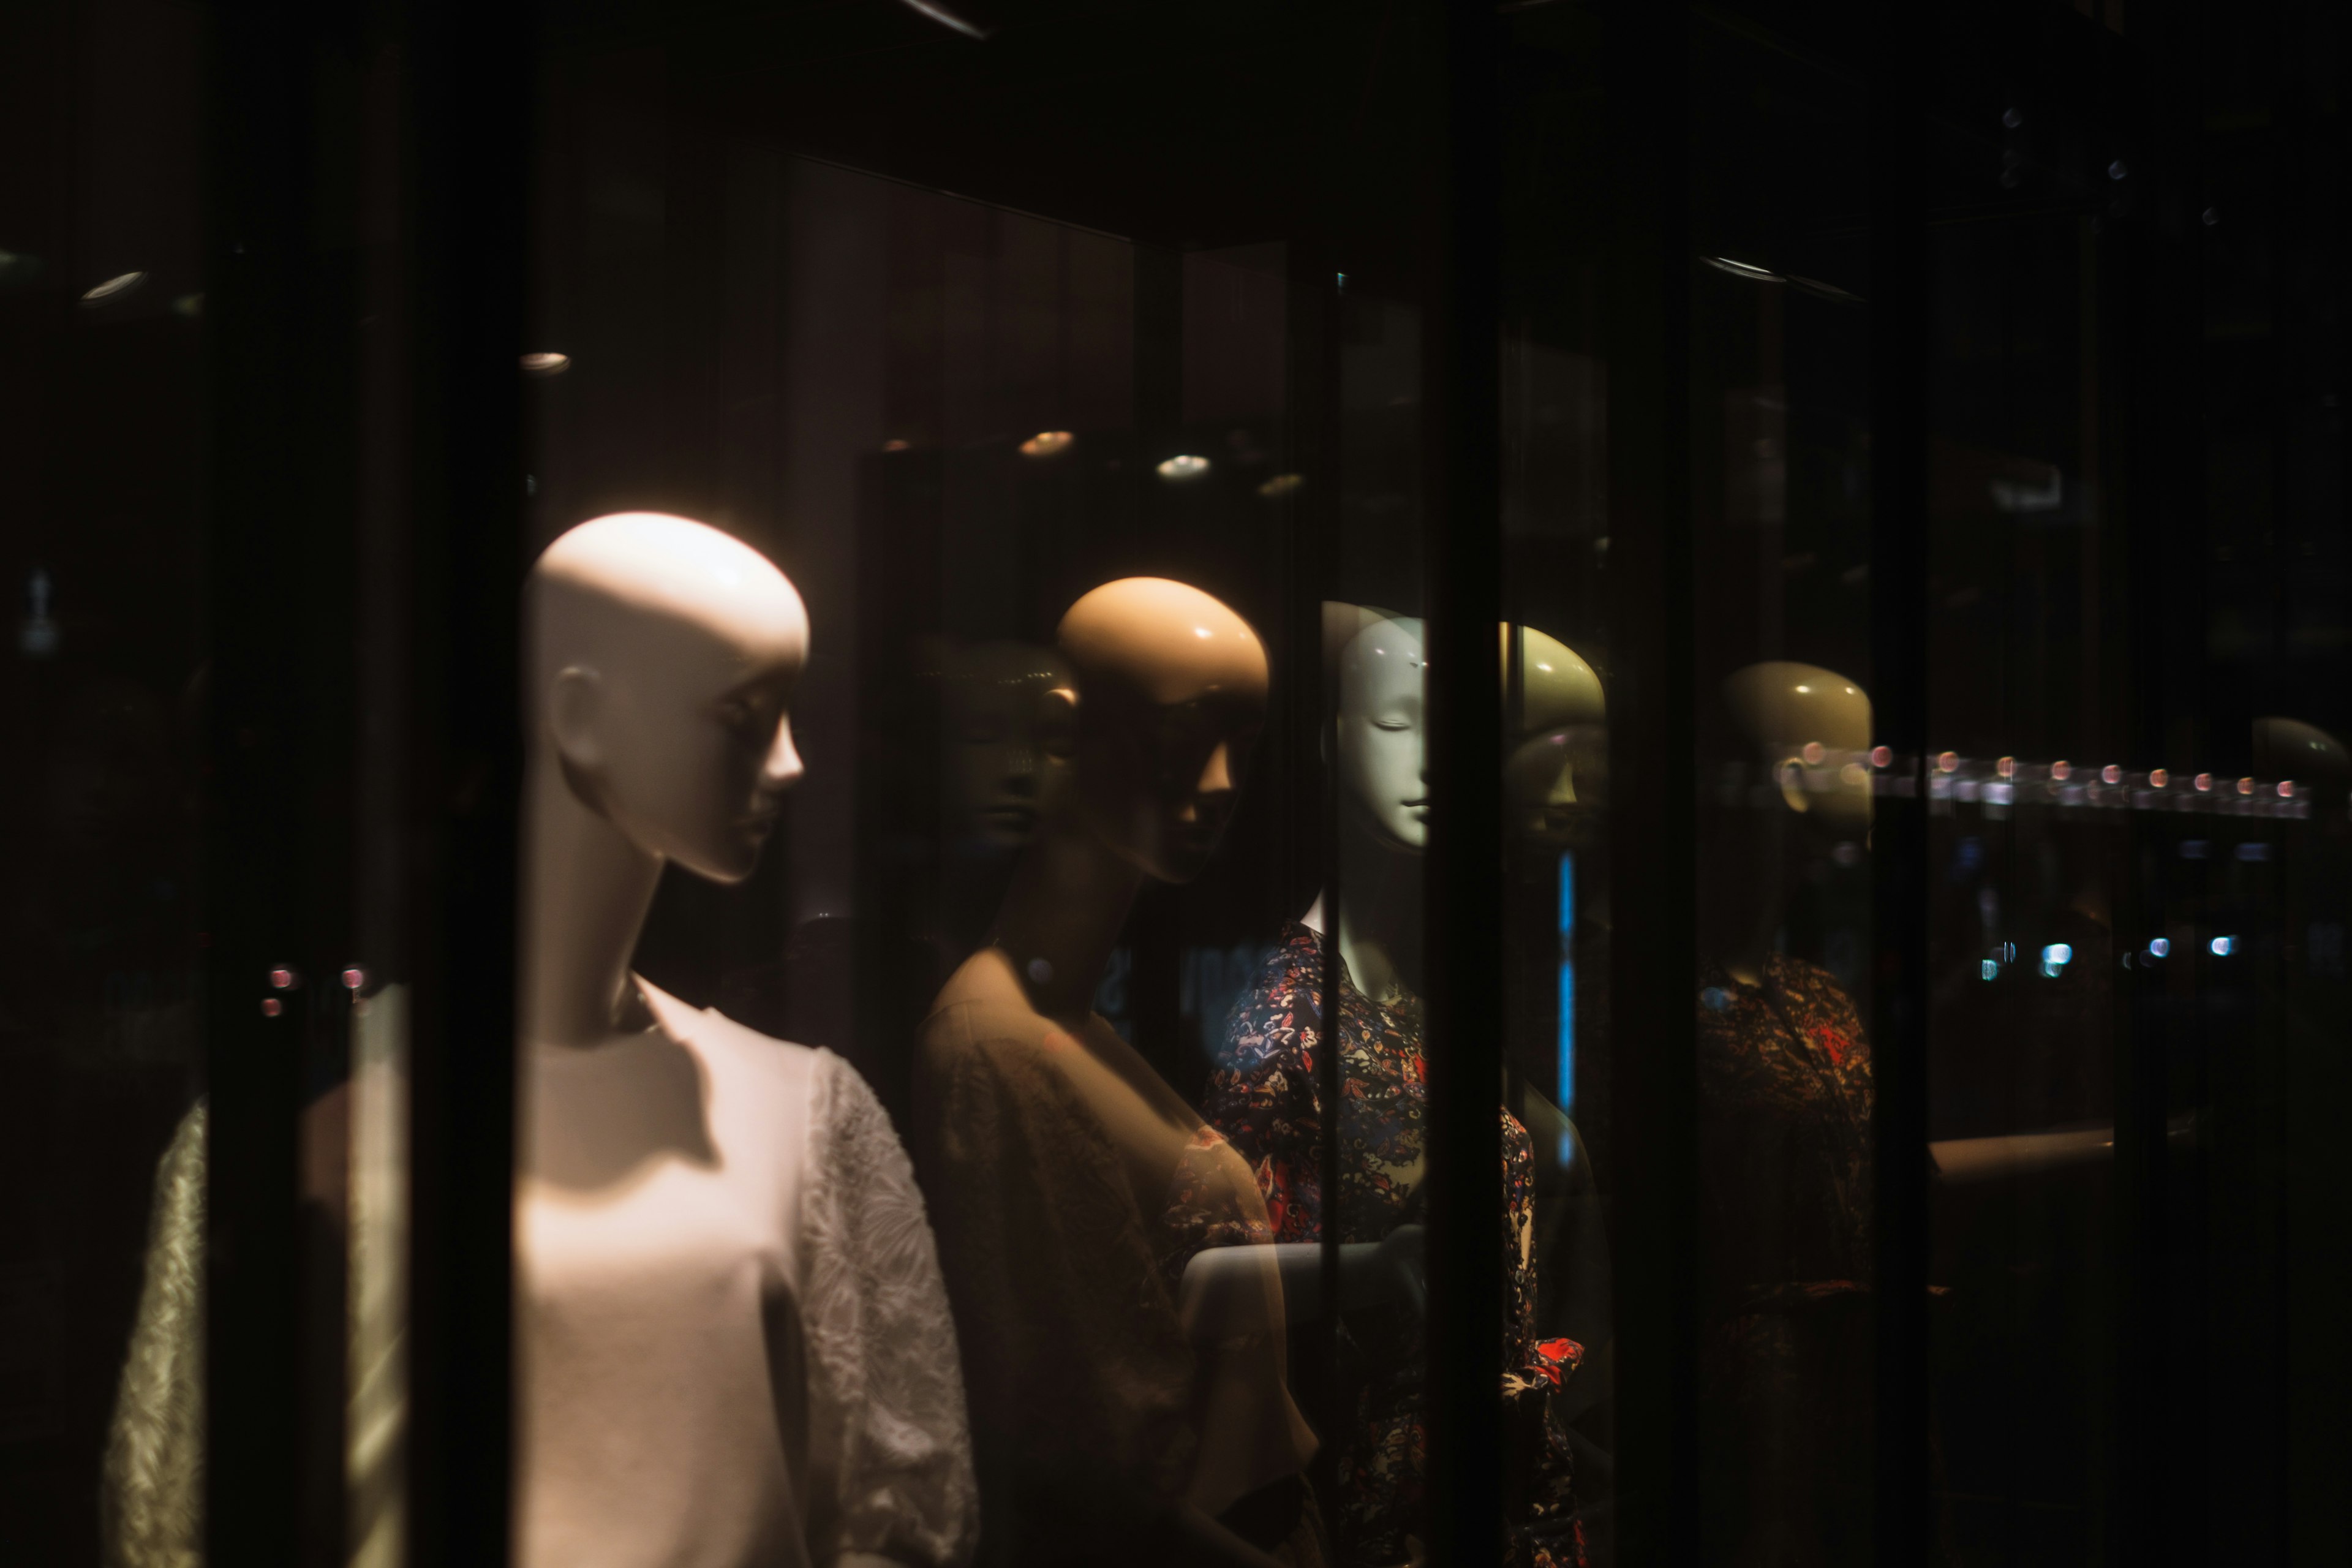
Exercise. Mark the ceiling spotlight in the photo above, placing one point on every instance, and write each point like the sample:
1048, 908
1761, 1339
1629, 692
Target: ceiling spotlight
546, 363
1046, 443
1183, 467
1281, 485
112, 289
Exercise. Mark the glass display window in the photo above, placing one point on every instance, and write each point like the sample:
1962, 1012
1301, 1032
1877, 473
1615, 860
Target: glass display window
968, 782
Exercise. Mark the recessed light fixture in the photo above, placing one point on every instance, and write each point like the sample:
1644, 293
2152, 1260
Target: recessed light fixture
1281, 485
1184, 466
546, 363
1046, 443
113, 289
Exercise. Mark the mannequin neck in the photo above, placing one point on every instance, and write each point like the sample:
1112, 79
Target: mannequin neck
1379, 910
1740, 907
586, 889
1062, 917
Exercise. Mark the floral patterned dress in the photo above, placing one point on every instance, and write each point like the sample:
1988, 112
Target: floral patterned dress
1263, 1096
1785, 1092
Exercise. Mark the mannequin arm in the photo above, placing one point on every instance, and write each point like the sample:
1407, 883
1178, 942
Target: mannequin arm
1964, 1160
1196, 1541
1219, 1281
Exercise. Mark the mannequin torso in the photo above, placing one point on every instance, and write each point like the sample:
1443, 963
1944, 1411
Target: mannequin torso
721, 1258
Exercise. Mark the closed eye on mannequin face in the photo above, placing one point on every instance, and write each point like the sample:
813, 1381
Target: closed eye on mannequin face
1382, 748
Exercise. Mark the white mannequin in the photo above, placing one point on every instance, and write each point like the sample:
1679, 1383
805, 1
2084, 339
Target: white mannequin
698, 1209
1380, 746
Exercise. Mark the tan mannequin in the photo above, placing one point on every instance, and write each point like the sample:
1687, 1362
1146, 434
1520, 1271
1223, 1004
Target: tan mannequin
1049, 1147
718, 1240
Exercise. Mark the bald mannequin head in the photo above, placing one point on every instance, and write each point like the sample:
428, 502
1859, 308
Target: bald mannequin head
1171, 688
1382, 750
1809, 727
662, 654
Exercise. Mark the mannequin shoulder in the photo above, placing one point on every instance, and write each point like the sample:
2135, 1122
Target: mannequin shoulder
981, 1017
737, 1052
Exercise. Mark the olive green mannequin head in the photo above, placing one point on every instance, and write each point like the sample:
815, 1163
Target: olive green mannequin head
1794, 770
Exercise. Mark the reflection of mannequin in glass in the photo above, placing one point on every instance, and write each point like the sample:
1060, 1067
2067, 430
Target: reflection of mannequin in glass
1264, 1095
732, 1344
1006, 735
1010, 733
1785, 1093
1121, 1410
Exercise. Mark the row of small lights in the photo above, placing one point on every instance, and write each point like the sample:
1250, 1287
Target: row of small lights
1953, 772
1958, 777
1953, 775
2058, 955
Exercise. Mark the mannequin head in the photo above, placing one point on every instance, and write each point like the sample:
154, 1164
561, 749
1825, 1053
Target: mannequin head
2290, 749
1556, 779
1010, 733
1171, 688
1381, 748
661, 656
1809, 729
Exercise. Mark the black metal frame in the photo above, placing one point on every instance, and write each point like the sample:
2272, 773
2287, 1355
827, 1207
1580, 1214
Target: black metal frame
365, 301
1461, 272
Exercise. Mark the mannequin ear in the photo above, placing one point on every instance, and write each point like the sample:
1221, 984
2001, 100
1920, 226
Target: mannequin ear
1791, 775
574, 702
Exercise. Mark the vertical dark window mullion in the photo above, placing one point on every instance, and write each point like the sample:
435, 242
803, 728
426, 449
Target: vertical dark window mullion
1460, 408
1313, 542
260, 277
1899, 264
1652, 811
467, 106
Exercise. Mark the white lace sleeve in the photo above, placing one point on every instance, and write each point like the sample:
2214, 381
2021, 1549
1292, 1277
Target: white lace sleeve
890, 1456
151, 1493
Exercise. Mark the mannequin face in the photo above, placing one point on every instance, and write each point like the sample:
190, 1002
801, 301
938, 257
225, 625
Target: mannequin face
1171, 688
1010, 734
672, 653
1383, 749
1159, 782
